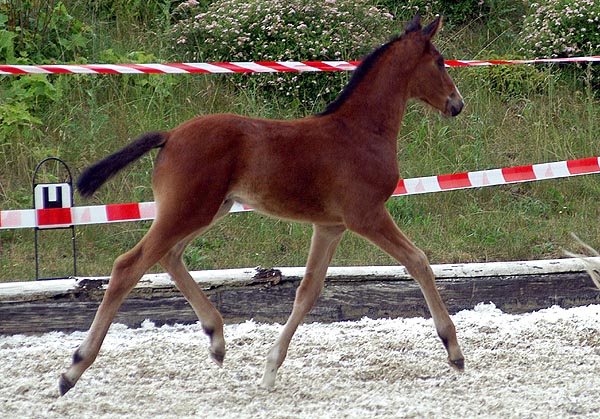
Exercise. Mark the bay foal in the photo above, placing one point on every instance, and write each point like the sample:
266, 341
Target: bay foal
335, 170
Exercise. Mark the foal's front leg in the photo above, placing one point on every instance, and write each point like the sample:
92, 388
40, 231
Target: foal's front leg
325, 239
382, 231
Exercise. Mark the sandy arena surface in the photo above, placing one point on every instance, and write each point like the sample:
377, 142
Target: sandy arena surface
544, 364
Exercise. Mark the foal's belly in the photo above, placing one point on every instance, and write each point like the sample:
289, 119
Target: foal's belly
295, 207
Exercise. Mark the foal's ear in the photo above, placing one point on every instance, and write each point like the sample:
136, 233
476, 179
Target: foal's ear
415, 24
433, 27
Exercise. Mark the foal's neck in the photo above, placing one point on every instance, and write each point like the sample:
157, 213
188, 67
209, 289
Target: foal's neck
378, 101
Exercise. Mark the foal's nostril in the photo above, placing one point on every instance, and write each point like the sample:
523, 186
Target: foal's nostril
456, 107
454, 104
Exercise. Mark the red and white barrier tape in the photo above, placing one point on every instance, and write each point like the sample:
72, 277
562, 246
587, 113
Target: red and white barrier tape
182, 68
493, 177
101, 214
245, 67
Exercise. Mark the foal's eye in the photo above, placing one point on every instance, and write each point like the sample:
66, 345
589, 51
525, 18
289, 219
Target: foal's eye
440, 62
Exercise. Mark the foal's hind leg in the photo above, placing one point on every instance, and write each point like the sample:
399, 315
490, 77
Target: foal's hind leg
209, 316
324, 242
381, 230
128, 268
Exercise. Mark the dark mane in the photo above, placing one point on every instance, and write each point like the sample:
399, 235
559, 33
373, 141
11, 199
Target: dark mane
359, 74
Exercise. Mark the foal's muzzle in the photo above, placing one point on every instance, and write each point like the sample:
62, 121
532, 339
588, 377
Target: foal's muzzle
454, 104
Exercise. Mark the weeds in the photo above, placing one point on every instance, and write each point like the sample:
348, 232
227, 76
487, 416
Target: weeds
515, 116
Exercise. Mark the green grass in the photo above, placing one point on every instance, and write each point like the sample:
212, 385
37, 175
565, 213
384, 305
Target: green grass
498, 128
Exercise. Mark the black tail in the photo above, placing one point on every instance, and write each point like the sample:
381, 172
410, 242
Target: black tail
98, 173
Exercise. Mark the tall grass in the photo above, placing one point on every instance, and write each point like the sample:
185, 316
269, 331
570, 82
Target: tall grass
499, 127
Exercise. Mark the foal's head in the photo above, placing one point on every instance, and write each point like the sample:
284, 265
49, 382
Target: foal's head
431, 82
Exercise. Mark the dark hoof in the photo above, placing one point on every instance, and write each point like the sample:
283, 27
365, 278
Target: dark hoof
218, 357
64, 385
458, 364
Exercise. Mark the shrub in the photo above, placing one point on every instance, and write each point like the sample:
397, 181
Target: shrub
562, 28
512, 81
456, 12
23, 98
127, 12
40, 32
276, 30
37, 32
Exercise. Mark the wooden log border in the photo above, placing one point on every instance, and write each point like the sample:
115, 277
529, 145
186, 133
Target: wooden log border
266, 295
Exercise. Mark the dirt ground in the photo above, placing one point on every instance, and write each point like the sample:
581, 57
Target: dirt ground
544, 364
